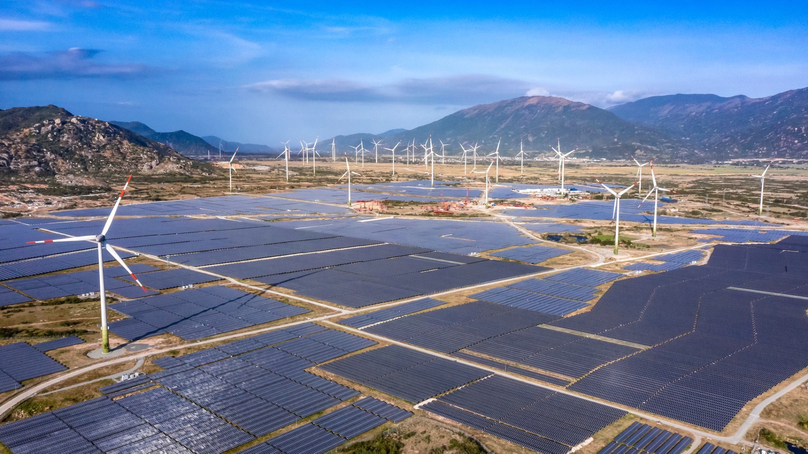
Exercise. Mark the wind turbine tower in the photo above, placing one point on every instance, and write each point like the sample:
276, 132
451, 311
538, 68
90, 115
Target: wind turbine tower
655, 189
762, 177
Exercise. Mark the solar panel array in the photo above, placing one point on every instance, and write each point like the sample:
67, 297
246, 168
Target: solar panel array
532, 254
528, 415
585, 276
670, 262
644, 439
78, 283
58, 343
530, 301
331, 430
223, 206
20, 361
552, 228
404, 373
176, 277
630, 211
212, 400
9, 296
363, 320
197, 313
554, 351
712, 449
459, 237
456, 327
46, 265
366, 276
705, 335
511, 368
745, 236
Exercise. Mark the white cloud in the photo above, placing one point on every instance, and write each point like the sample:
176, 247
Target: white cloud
537, 91
14, 25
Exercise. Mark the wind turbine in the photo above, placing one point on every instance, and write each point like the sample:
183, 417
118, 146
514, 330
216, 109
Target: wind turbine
762, 177
356, 153
474, 154
286, 156
497, 158
465, 157
232, 169
427, 155
426, 152
362, 145
314, 155
376, 148
521, 156
562, 159
220, 150
655, 189
393, 150
616, 210
334, 150
639, 174
487, 183
442, 152
348, 174
101, 242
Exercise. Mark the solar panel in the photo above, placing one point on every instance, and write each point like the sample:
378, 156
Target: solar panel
58, 343
586, 277
531, 254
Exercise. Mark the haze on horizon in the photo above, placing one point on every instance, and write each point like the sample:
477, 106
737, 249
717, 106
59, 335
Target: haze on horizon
264, 72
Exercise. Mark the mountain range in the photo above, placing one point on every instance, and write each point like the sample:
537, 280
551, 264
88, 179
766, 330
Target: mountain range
180, 141
50, 141
725, 128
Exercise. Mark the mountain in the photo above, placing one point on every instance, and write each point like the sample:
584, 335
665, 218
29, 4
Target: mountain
392, 132
136, 127
181, 141
733, 127
230, 147
48, 141
541, 121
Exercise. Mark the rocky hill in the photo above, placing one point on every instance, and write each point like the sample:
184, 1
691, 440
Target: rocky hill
183, 142
734, 127
48, 141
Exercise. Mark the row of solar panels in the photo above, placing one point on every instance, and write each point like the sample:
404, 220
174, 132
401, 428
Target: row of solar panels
641, 439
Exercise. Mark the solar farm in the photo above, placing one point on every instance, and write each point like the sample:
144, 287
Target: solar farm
291, 323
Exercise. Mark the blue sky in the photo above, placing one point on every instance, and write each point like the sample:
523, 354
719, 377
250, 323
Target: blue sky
268, 71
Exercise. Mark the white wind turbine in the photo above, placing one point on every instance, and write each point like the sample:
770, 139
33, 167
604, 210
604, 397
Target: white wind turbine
220, 150
348, 173
430, 153
356, 153
314, 155
562, 159
426, 147
334, 150
101, 242
484, 199
232, 169
285, 154
496, 157
639, 173
655, 189
762, 177
376, 149
362, 152
616, 211
442, 152
474, 155
393, 150
304, 151
465, 157
521, 156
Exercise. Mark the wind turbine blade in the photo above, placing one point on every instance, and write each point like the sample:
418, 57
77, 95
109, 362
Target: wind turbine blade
648, 195
356, 173
120, 260
664, 190
234, 154
65, 240
766, 170
344, 174
606, 187
626, 190
653, 177
115, 208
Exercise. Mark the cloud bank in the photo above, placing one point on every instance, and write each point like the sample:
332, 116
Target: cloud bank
66, 64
